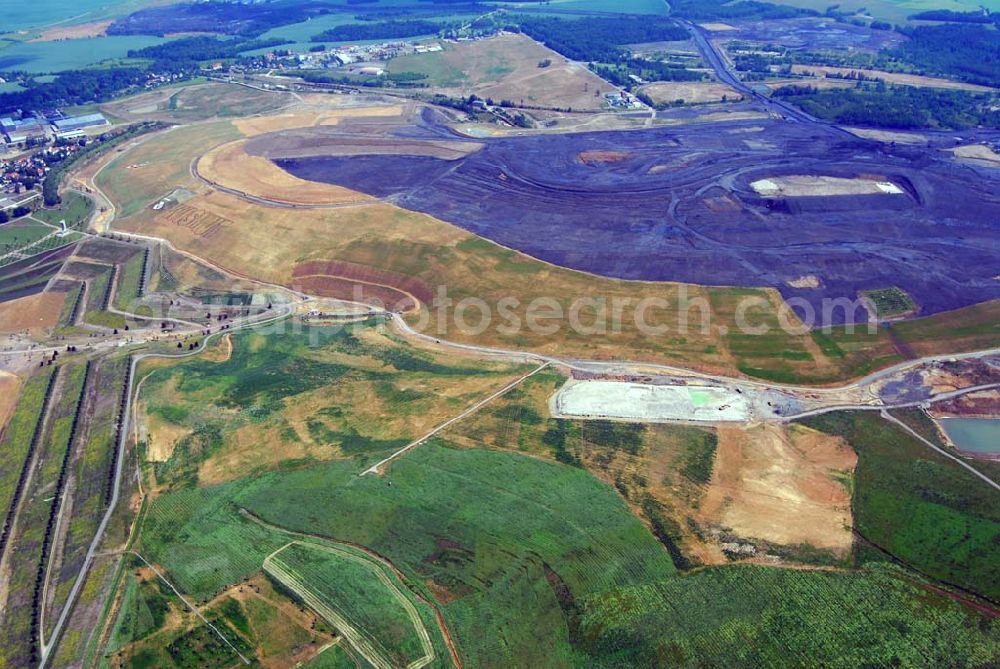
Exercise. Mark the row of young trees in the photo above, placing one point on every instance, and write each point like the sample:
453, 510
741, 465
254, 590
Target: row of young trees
120, 428
8, 522
37, 600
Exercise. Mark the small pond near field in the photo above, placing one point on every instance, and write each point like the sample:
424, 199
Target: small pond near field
975, 435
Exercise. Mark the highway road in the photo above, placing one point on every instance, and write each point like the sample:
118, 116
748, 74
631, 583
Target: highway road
717, 61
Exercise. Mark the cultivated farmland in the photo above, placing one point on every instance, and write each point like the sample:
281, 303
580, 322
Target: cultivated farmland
507, 67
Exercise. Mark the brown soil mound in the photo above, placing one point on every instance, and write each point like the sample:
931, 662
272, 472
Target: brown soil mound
354, 291
231, 166
354, 275
9, 385
602, 157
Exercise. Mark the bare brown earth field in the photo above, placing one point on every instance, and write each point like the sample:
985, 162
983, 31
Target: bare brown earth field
366, 275
691, 92
984, 404
506, 68
323, 141
821, 83
231, 166
317, 110
721, 115
354, 290
977, 152
910, 138
34, 313
717, 26
821, 71
79, 31
780, 485
9, 385
602, 157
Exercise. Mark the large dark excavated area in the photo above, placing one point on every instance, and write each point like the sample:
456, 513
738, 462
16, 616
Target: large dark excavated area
814, 213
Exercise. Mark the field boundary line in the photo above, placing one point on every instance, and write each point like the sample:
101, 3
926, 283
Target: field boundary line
375, 557
371, 649
374, 469
411, 610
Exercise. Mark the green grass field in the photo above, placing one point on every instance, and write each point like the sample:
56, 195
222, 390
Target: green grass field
17, 434
129, 280
58, 55
534, 562
20, 233
432, 65
489, 529
919, 506
75, 209
94, 313
31, 540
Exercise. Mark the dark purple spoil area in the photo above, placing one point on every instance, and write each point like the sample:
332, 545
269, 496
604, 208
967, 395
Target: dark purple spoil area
675, 205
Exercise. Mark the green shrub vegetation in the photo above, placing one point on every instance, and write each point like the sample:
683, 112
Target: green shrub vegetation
751, 616
268, 375
485, 526
905, 107
536, 563
889, 302
919, 506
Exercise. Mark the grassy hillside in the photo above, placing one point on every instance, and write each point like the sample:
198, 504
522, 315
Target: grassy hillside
919, 506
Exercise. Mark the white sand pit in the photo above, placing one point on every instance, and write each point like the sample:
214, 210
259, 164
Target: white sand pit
822, 186
645, 403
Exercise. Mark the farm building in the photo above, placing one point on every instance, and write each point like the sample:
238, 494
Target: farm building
20, 130
71, 134
78, 122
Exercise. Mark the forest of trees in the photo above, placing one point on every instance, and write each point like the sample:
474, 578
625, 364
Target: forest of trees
192, 50
750, 10
356, 32
74, 87
902, 107
951, 16
647, 70
600, 39
964, 51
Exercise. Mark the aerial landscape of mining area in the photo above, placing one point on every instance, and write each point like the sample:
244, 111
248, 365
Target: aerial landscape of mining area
482, 333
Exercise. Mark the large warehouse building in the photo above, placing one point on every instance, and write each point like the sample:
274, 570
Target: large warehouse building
79, 122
